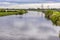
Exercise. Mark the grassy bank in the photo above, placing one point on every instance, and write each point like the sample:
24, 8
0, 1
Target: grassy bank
53, 15
12, 12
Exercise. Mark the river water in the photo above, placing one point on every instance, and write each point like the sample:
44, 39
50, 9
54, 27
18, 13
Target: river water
30, 26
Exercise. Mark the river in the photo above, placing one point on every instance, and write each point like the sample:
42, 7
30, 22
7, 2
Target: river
30, 26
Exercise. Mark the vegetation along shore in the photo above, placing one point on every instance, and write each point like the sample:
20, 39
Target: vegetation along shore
53, 15
6, 12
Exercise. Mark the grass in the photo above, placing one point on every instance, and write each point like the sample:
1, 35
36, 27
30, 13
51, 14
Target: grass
54, 16
18, 12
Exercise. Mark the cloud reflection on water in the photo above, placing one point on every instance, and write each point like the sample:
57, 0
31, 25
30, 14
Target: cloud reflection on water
31, 26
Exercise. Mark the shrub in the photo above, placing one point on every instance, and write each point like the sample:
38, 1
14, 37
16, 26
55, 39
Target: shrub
20, 12
48, 13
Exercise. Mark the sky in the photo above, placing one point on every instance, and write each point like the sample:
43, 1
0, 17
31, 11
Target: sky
29, 1
6, 3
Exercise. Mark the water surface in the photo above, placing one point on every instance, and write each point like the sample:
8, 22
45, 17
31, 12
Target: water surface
30, 26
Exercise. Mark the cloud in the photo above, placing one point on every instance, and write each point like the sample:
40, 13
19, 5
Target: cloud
6, 4
21, 1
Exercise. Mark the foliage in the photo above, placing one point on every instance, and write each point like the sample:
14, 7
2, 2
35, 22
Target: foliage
5, 13
48, 13
20, 12
53, 15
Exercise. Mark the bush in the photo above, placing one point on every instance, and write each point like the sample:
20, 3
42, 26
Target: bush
54, 16
48, 13
20, 12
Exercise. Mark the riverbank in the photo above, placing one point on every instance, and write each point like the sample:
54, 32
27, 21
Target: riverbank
12, 12
53, 15
32, 26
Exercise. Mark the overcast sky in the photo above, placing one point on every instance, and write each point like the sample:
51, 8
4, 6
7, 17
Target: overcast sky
3, 2
6, 3
17, 1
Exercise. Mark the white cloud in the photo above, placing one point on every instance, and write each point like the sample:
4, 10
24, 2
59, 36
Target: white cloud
7, 3
4, 3
36, 5
13, 0
31, 0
